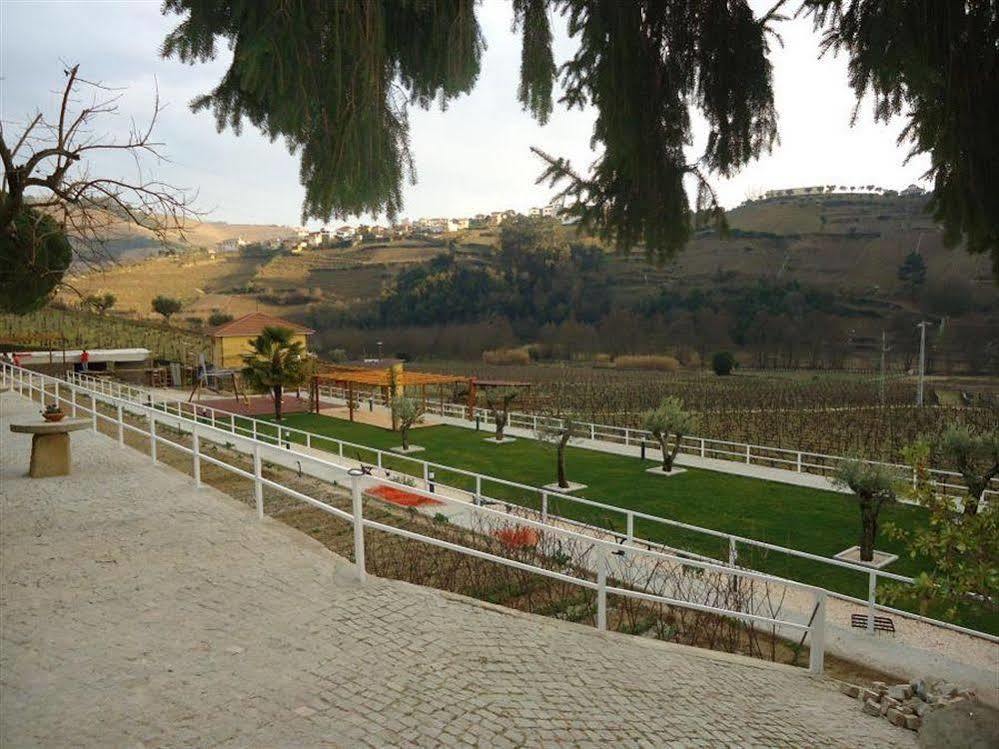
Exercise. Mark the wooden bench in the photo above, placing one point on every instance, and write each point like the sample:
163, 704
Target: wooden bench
881, 623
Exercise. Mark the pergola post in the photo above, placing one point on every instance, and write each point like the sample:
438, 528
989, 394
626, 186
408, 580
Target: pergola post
472, 398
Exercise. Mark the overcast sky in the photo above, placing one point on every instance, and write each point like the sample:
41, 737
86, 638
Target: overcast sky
471, 159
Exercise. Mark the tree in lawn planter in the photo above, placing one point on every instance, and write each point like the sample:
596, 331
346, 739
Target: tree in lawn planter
670, 419
276, 362
558, 431
874, 486
975, 456
498, 401
406, 412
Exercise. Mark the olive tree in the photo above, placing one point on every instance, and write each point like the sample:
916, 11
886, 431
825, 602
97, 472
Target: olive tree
976, 457
498, 401
558, 430
670, 418
406, 412
874, 486
166, 306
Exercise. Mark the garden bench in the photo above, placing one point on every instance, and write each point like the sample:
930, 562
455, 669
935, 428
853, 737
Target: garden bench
881, 623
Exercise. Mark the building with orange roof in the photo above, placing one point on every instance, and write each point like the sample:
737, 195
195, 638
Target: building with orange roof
231, 340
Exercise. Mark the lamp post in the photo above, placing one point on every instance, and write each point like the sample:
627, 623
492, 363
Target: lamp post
922, 360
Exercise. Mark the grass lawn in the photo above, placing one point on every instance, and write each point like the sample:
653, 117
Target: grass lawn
819, 522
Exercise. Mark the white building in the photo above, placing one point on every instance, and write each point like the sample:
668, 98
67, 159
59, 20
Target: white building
233, 244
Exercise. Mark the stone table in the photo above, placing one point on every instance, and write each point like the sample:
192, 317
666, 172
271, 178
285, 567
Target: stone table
50, 454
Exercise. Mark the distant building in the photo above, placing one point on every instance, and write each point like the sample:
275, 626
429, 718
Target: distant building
231, 340
233, 244
912, 191
345, 232
457, 224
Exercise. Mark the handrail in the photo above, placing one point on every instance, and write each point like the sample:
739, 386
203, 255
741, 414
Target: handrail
630, 516
815, 628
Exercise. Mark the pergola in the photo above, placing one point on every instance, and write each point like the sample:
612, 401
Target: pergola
350, 378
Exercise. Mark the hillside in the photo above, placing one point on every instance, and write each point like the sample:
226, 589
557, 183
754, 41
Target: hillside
845, 250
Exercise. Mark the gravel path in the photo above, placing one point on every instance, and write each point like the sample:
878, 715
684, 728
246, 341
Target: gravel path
140, 612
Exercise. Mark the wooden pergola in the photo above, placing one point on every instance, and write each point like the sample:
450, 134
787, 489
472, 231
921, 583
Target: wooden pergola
385, 380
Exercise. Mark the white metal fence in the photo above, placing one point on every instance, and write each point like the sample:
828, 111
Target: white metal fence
429, 473
223, 432
946, 482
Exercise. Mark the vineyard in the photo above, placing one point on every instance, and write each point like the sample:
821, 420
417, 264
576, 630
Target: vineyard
834, 414
54, 329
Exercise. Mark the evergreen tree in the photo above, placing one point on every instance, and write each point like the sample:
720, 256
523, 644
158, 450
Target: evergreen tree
913, 270
333, 80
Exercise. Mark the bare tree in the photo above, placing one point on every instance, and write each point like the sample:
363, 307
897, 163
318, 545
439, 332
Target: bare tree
498, 400
46, 171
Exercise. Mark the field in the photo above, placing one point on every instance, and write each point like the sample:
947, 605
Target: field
56, 328
837, 414
810, 520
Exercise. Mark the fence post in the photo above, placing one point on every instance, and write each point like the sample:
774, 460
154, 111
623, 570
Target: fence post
258, 486
93, 412
57, 396
72, 400
196, 454
478, 488
631, 526
817, 647
356, 501
121, 426
747, 455
593, 431
872, 589
602, 592
152, 436
254, 423
702, 447
733, 552
544, 507
627, 433
799, 461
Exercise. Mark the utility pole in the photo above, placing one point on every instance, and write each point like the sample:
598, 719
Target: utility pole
922, 360
884, 350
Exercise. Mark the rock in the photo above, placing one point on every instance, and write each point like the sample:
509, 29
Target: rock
850, 690
947, 689
891, 702
868, 694
913, 722
872, 708
880, 687
922, 708
900, 692
961, 725
919, 688
895, 717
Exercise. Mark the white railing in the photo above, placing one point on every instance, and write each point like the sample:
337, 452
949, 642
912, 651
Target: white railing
49, 389
946, 482
293, 439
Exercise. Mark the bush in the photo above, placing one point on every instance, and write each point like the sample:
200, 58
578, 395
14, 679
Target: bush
219, 318
506, 356
659, 363
722, 362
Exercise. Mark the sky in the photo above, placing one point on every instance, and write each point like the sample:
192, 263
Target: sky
473, 158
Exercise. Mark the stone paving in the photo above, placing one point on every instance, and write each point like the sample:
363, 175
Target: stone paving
138, 611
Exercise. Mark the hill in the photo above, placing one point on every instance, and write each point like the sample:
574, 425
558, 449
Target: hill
829, 262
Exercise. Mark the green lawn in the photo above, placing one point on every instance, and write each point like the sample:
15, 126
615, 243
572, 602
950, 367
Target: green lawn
819, 522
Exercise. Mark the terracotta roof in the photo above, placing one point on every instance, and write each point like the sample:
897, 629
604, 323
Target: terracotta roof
254, 324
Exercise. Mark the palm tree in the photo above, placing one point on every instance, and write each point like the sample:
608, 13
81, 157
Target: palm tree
276, 362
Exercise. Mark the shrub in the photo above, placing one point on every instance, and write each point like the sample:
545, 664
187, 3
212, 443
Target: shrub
659, 363
506, 356
219, 318
722, 362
